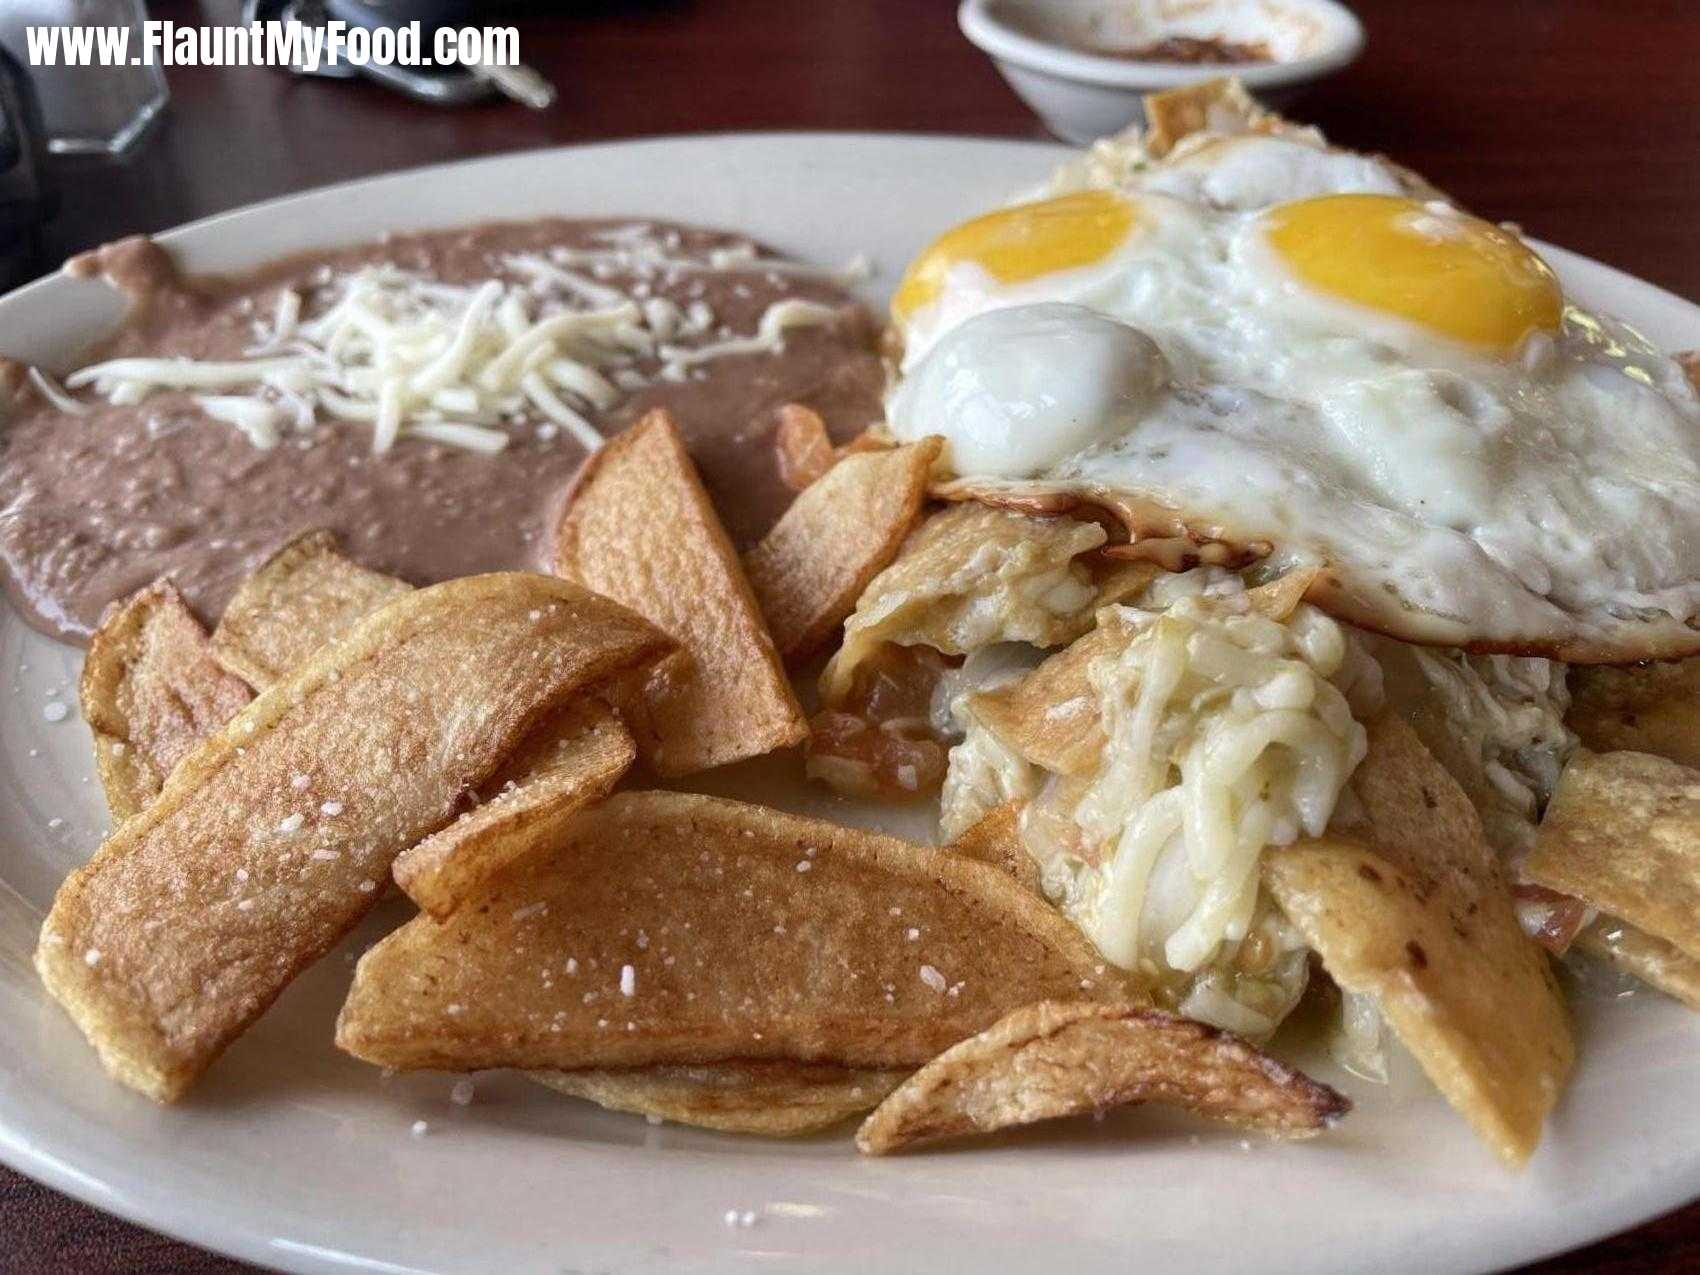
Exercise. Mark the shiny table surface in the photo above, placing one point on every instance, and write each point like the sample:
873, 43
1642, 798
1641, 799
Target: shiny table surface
1581, 121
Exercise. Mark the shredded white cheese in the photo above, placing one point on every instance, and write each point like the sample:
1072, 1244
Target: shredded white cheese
256, 418
284, 318
187, 374
411, 357
1225, 737
769, 337
472, 438
55, 394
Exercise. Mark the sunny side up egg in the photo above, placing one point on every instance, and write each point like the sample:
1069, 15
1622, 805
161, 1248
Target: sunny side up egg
1379, 384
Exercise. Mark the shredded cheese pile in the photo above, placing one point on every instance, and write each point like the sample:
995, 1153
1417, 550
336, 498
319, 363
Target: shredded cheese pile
403, 355
1224, 735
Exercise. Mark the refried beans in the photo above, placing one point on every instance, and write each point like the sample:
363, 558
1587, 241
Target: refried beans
95, 505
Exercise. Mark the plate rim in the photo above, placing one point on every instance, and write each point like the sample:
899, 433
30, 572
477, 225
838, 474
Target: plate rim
530, 154
221, 1233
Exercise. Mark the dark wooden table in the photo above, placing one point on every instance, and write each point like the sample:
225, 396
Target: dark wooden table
1579, 120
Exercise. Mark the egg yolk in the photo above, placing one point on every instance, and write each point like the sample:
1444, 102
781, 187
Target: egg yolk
1020, 243
1457, 276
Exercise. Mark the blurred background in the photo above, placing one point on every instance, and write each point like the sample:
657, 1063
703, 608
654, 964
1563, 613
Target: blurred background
1578, 118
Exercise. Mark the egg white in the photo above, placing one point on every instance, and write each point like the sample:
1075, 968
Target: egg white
1547, 499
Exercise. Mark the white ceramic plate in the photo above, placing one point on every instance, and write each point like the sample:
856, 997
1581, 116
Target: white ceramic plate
293, 1155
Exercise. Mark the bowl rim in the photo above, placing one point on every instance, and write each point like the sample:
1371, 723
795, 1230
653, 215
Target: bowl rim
1005, 43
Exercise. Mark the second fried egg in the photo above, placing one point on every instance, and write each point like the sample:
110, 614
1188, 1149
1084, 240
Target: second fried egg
1377, 383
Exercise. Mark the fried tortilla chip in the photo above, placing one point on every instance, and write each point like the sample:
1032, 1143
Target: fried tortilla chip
1147, 531
1050, 717
304, 595
769, 1099
803, 446
671, 928
572, 760
1416, 913
1279, 598
1221, 105
995, 839
875, 438
1623, 834
836, 536
640, 529
308, 594
1644, 708
1653, 961
271, 838
1058, 1059
971, 576
151, 690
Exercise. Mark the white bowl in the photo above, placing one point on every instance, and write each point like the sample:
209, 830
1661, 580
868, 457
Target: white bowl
1040, 48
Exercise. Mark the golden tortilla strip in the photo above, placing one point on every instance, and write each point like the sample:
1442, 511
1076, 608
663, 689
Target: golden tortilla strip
768, 1099
1622, 833
1209, 106
972, 575
837, 535
1148, 531
1279, 598
1221, 105
802, 445
270, 839
1050, 717
1417, 914
304, 595
995, 839
671, 928
640, 529
308, 594
1643, 708
875, 438
1653, 961
572, 761
150, 691
1057, 1059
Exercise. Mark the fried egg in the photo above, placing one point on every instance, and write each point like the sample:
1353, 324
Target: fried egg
1282, 344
